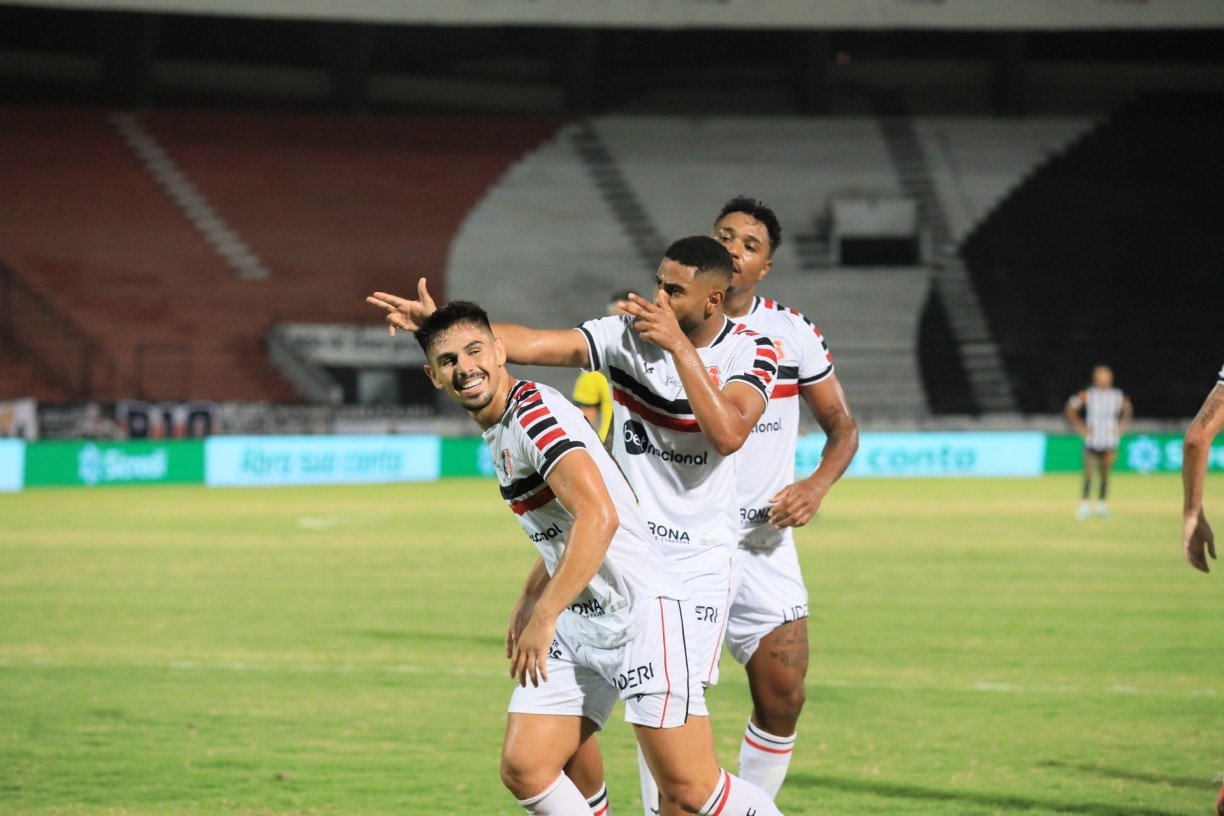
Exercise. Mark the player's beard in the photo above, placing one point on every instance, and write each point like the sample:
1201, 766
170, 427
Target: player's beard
479, 401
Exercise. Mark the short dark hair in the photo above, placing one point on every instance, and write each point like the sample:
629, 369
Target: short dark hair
759, 211
452, 314
704, 254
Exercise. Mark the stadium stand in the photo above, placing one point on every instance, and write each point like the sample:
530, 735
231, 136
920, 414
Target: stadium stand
336, 206
1111, 253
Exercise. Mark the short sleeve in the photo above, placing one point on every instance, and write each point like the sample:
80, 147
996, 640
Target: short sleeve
601, 334
1076, 401
754, 363
815, 359
589, 388
544, 439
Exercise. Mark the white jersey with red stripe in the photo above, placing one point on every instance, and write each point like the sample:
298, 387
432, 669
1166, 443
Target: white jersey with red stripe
687, 488
538, 428
767, 462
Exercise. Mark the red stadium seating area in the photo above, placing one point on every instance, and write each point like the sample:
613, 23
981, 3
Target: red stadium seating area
336, 206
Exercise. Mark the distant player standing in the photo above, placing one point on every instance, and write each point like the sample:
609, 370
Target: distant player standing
605, 622
767, 627
1106, 414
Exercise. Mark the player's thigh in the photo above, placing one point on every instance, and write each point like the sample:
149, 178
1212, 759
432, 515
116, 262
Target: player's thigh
681, 759
1091, 458
1107, 461
537, 746
779, 665
770, 595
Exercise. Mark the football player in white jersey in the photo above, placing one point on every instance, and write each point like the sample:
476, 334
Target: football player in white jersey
689, 387
1106, 414
1198, 541
767, 627
605, 619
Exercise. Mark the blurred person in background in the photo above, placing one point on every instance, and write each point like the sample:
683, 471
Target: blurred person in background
1100, 414
592, 394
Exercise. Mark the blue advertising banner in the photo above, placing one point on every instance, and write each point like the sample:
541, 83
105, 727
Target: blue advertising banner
12, 464
934, 454
248, 461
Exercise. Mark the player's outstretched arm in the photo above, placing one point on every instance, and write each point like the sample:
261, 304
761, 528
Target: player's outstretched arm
794, 505
577, 483
547, 347
726, 415
1198, 541
404, 313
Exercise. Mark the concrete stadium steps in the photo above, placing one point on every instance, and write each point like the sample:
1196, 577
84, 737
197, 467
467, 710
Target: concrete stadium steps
337, 206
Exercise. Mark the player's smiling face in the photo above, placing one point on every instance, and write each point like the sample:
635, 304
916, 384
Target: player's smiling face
691, 296
469, 364
747, 240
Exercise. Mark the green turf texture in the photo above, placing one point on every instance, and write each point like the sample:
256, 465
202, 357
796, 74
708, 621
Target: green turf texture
338, 651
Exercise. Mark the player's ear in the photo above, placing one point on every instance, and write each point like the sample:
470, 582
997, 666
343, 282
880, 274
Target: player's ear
499, 349
714, 300
433, 377
768, 266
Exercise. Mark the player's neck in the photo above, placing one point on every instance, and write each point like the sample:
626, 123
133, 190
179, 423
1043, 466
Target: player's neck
739, 303
705, 334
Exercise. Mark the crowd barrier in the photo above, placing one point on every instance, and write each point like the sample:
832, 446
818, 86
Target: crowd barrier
252, 461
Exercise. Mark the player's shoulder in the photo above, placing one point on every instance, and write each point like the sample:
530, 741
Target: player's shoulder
528, 398
782, 313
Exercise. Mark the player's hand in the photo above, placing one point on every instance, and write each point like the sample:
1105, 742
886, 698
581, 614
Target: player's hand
403, 313
520, 614
655, 322
1198, 541
530, 658
795, 504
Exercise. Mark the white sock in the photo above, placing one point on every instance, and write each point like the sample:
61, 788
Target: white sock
735, 797
561, 798
650, 791
764, 758
599, 804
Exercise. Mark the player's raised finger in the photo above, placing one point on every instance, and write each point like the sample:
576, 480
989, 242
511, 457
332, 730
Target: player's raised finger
423, 295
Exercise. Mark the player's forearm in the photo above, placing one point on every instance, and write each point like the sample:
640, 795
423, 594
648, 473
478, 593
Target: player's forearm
584, 553
840, 446
537, 579
528, 346
720, 418
1196, 449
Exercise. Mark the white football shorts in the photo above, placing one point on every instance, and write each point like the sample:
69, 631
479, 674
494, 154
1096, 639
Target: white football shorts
707, 578
768, 591
654, 673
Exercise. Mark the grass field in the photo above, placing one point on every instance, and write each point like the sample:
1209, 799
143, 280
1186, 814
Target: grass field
338, 650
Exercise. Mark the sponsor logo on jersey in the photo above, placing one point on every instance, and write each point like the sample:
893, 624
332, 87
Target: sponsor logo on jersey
546, 535
588, 609
637, 443
505, 463
635, 677
665, 533
706, 614
767, 427
754, 514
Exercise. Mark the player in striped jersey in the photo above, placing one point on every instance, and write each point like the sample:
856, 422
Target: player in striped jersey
1198, 541
767, 628
603, 618
1106, 414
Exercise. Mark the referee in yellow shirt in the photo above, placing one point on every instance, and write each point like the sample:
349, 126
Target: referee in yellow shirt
591, 390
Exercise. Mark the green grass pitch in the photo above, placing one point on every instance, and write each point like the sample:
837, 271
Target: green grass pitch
338, 651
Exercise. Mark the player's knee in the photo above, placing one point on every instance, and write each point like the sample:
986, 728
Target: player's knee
778, 710
524, 778
687, 794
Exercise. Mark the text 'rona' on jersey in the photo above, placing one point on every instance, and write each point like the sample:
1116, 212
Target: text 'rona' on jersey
538, 428
687, 488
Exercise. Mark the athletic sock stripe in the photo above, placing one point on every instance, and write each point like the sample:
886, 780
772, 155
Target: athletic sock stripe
726, 794
766, 748
770, 738
599, 797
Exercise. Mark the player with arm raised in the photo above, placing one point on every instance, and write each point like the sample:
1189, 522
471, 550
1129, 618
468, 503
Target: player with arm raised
606, 619
767, 627
1198, 540
689, 387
